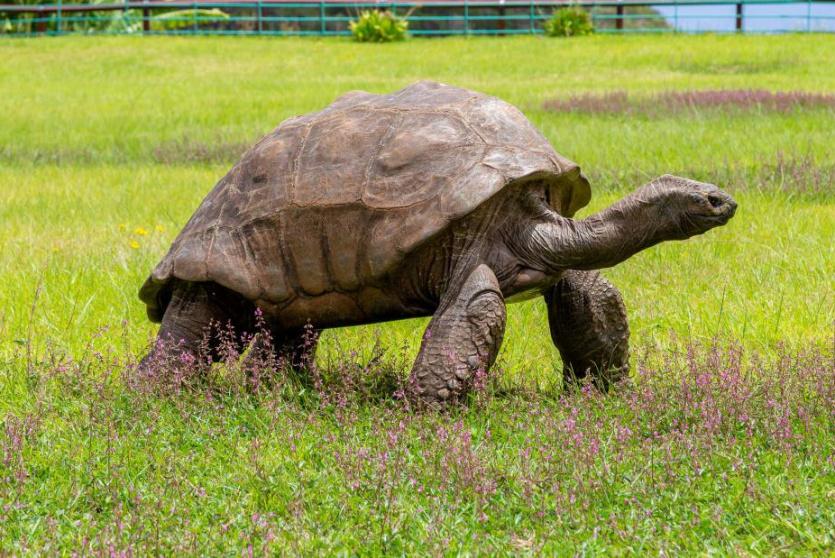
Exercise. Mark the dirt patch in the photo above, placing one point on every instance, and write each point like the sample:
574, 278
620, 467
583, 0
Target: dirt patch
190, 151
619, 102
796, 174
736, 67
184, 151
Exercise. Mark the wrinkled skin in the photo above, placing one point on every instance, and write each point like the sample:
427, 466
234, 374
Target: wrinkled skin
513, 247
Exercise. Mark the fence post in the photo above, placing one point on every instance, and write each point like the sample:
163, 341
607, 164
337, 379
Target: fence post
739, 17
40, 23
146, 18
194, 18
809, 16
531, 18
619, 18
260, 22
58, 22
321, 18
675, 17
466, 17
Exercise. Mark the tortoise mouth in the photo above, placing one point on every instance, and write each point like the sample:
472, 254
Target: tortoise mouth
719, 214
719, 208
724, 205
715, 210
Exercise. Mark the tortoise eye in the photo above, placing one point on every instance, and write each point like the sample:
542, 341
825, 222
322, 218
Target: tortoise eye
548, 196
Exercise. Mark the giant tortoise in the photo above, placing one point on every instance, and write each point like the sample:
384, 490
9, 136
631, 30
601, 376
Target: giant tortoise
430, 201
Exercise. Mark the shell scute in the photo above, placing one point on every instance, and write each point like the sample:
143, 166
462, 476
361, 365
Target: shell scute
303, 242
266, 172
266, 258
229, 245
503, 124
408, 169
332, 164
343, 248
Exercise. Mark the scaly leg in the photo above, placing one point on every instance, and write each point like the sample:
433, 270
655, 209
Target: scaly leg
589, 327
463, 337
272, 348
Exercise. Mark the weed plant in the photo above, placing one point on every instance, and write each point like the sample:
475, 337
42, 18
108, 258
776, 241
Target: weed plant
379, 26
569, 22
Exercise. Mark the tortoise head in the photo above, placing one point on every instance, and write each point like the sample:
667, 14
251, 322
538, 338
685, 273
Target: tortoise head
686, 207
668, 208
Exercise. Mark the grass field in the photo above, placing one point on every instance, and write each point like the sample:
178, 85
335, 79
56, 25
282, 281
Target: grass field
725, 444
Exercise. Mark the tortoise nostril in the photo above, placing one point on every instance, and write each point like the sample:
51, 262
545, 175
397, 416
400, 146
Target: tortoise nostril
715, 200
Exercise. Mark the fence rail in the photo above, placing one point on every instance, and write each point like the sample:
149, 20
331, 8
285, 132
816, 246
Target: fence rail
444, 17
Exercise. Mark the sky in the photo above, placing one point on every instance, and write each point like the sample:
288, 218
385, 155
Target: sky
760, 17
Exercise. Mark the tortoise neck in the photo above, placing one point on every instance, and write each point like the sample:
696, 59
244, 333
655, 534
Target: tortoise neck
602, 240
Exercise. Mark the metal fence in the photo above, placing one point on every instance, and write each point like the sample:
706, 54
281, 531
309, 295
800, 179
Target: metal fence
461, 17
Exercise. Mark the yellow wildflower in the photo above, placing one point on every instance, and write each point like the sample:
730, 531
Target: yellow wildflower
134, 244
140, 231
123, 227
159, 228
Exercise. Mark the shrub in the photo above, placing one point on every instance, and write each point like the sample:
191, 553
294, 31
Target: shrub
569, 22
379, 26
184, 19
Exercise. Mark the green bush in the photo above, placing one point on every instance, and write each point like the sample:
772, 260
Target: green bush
185, 19
569, 22
379, 26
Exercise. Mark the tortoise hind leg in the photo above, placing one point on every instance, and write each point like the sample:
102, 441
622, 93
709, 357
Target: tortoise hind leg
463, 337
273, 349
588, 325
202, 324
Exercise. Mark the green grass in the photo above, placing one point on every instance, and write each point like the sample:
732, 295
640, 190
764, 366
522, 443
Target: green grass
106, 138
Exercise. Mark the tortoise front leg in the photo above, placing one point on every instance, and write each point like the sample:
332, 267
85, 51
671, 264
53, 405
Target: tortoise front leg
589, 327
462, 338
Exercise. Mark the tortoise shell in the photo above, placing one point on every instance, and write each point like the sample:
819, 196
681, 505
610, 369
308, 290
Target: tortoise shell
335, 200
